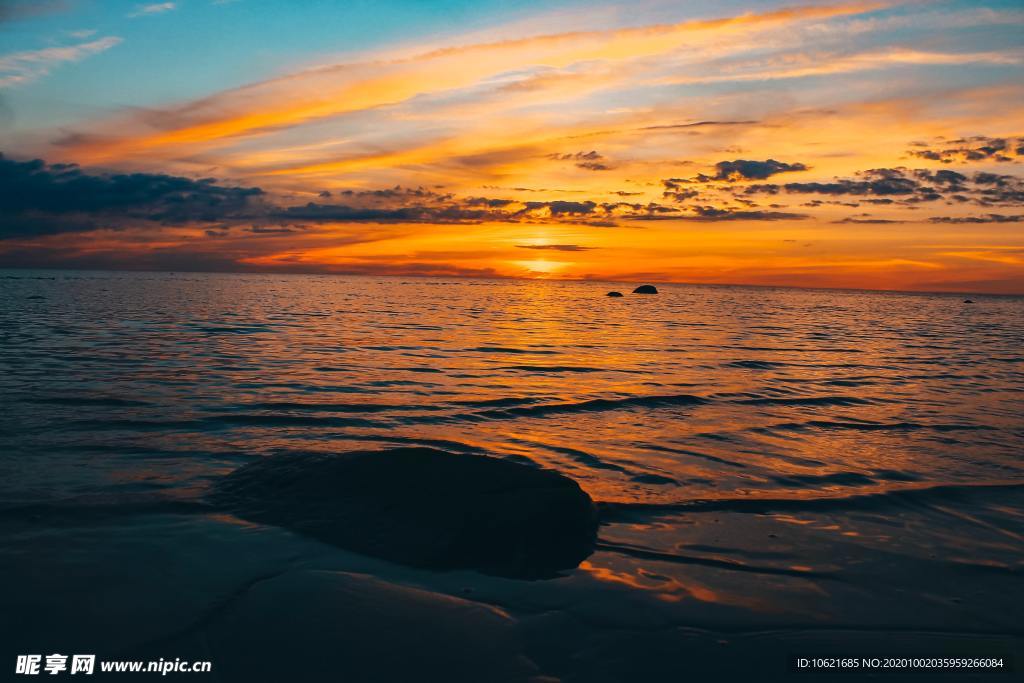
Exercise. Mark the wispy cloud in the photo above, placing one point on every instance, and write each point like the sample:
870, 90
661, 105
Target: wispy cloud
19, 68
382, 80
555, 247
153, 8
828, 65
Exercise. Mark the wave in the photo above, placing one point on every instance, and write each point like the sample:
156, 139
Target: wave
730, 565
337, 407
87, 401
441, 444
498, 402
506, 349
128, 425
835, 478
922, 495
756, 364
790, 349
694, 454
238, 329
508, 408
588, 459
558, 368
289, 421
869, 426
809, 401
594, 405
215, 421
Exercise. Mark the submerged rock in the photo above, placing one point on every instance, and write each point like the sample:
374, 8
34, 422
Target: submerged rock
968, 301
646, 289
422, 507
614, 294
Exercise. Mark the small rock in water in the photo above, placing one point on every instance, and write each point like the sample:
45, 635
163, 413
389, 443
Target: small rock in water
614, 294
968, 301
646, 289
422, 507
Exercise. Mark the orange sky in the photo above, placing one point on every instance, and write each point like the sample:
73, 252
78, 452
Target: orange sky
767, 145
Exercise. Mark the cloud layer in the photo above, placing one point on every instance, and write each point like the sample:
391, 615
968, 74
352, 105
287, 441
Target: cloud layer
18, 68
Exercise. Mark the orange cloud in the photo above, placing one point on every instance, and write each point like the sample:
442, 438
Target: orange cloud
340, 89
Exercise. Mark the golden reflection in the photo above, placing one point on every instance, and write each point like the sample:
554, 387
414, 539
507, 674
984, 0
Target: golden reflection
669, 589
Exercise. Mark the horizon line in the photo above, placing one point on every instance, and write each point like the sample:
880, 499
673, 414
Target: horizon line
156, 271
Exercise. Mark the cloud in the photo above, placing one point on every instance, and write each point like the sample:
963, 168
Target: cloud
555, 247
899, 186
273, 230
18, 68
37, 198
40, 198
153, 8
677, 193
454, 210
912, 186
742, 169
561, 207
978, 148
710, 213
990, 218
868, 221
812, 65
681, 189
950, 180
400, 214
699, 124
489, 202
591, 161
388, 81
178, 259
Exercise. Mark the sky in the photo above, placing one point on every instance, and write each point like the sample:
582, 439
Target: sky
874, 145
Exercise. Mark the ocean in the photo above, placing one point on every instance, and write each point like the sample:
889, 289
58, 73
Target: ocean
777, 471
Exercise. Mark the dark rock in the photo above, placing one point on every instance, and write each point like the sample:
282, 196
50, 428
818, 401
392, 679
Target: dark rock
968, 301
614, 294
422, 507
646, 289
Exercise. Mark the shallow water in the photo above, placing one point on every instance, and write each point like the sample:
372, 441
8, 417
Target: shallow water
767, 460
